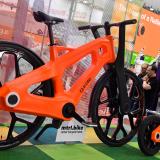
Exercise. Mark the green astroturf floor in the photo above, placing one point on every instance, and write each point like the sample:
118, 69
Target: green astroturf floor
75, 152
45, 149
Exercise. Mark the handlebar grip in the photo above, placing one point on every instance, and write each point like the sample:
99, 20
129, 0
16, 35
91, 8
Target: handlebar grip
131, 21
58, 19
126, 22
84, 27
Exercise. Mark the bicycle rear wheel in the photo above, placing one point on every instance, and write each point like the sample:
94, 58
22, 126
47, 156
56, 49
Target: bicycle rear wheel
115, 129
15, 128
146, 145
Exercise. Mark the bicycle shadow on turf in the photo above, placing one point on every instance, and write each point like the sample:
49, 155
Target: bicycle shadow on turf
25, 153
124, 152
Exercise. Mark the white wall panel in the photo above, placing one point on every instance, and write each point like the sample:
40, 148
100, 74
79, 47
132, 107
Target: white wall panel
96, 16
60, 8
82, 12
100, 3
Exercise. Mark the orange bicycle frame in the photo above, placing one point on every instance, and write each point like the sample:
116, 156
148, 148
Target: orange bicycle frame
155, 136
101, 51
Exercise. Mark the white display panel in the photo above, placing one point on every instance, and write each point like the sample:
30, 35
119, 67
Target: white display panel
57, 8
60, 8
100, 3
82, 13
96, 16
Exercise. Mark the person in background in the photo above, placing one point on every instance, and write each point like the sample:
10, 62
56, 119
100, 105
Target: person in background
132, 68
158, 69
158, 78
143, 70
150, 85
139, 61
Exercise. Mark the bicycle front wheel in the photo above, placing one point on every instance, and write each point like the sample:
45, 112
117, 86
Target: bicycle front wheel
15, 128
115, 129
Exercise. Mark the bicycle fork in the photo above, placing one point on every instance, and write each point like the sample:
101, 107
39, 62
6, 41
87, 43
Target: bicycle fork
120, 76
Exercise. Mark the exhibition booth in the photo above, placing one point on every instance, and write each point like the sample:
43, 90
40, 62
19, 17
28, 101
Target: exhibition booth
56, 101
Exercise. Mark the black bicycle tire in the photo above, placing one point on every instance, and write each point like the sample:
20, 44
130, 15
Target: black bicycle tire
94, 103
141, 135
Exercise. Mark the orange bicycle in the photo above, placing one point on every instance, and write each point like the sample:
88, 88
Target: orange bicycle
37, 90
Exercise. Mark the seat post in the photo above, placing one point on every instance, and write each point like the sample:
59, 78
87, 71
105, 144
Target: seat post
50, 31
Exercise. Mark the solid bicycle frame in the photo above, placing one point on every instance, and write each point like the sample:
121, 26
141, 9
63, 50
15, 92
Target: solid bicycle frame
101, 51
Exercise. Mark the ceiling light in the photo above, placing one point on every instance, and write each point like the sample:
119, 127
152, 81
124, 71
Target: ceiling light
85, 2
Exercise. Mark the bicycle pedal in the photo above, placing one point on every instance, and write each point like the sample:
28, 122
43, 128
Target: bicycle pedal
89, 124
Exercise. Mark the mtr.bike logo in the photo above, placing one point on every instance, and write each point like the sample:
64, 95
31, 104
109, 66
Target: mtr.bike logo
76, 129
85, 85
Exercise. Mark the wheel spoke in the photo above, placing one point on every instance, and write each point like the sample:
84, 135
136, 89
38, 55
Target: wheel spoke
119, 127
109, 120
24, 121
17, 58
11, 127
104, 101
120, 121
134, 99
102, 117
137, 111
131, 121
124, 131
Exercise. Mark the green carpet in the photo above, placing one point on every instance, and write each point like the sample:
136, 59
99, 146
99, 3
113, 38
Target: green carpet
75, 152
43, 150
24, 153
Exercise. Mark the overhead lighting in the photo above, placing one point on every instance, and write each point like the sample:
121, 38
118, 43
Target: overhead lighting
85, 1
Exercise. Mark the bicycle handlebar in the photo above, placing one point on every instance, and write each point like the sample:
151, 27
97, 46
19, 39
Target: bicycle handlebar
93, 29
90, 27
84, 27
126, 22
131, 21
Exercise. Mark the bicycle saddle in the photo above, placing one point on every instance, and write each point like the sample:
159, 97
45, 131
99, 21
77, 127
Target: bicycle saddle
42, 17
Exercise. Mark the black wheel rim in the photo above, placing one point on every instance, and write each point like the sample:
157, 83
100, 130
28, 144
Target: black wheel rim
23, 63
119, 128
147, 136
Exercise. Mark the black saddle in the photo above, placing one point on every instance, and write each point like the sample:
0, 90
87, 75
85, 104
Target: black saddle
42, 17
